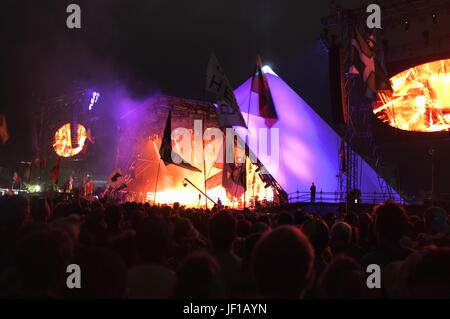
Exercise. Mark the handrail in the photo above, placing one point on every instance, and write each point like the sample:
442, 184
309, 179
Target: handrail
340, 197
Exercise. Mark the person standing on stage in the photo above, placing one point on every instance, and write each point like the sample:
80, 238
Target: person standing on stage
313, 193
88, 186
69, 185
16, 181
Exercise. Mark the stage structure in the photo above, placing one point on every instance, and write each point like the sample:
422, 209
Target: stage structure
414, 46
61, 128
308, 146
137, 155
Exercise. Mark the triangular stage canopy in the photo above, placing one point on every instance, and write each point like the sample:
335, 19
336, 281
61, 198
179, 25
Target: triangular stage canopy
309, 147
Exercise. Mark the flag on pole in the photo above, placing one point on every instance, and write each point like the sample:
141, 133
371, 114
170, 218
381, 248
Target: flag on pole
4, 135
54, 174
234, 179
260, 85
217, 84
363, 61
168, 155
214, 181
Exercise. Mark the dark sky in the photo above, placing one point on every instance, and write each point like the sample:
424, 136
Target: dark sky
159, 45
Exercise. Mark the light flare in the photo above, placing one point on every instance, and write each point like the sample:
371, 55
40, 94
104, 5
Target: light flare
420, 100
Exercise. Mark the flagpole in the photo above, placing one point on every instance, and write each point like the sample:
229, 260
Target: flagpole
156, 183
204, 161
245, 145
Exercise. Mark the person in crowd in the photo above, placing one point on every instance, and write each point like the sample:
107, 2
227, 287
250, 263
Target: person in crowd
113, 220
41, 260
150, 278
138, 251
283, 263
343, 278
390, 226
341, 241
436, 221
103, 274
319, 236
222, 233
39, 210
199, 277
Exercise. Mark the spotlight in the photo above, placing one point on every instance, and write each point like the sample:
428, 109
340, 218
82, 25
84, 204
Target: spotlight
434, 17
268, 69
94, 100
406, 23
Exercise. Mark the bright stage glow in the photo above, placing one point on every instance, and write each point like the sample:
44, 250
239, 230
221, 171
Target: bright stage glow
420, 100
35, 188
62, 143
267, 69
170, 192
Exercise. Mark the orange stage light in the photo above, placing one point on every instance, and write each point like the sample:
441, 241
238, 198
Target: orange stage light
62, 143
420, 100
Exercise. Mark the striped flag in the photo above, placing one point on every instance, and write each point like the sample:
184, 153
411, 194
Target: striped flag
260, 85
363, 61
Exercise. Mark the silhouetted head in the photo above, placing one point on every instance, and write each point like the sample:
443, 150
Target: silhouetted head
317, 232
365, 225
152, 239
428, 277
285, 219
243, 228
351, 219
390, 223
436, 221
282, 263
42, 259
113, 216
199, 277
222, 231
15, 211
39, 209
341, 235
343, 278
103, 274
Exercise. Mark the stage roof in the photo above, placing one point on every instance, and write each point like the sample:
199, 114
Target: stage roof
309, 147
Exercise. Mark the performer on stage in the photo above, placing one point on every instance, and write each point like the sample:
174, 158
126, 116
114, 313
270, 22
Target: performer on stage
88, 186
219, 204
313, 193
16, 181
69, 185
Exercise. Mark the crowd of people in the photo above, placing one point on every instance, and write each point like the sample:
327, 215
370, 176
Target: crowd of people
140, 251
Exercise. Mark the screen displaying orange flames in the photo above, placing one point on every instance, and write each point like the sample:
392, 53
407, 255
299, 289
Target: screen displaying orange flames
62, 143
420, 100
